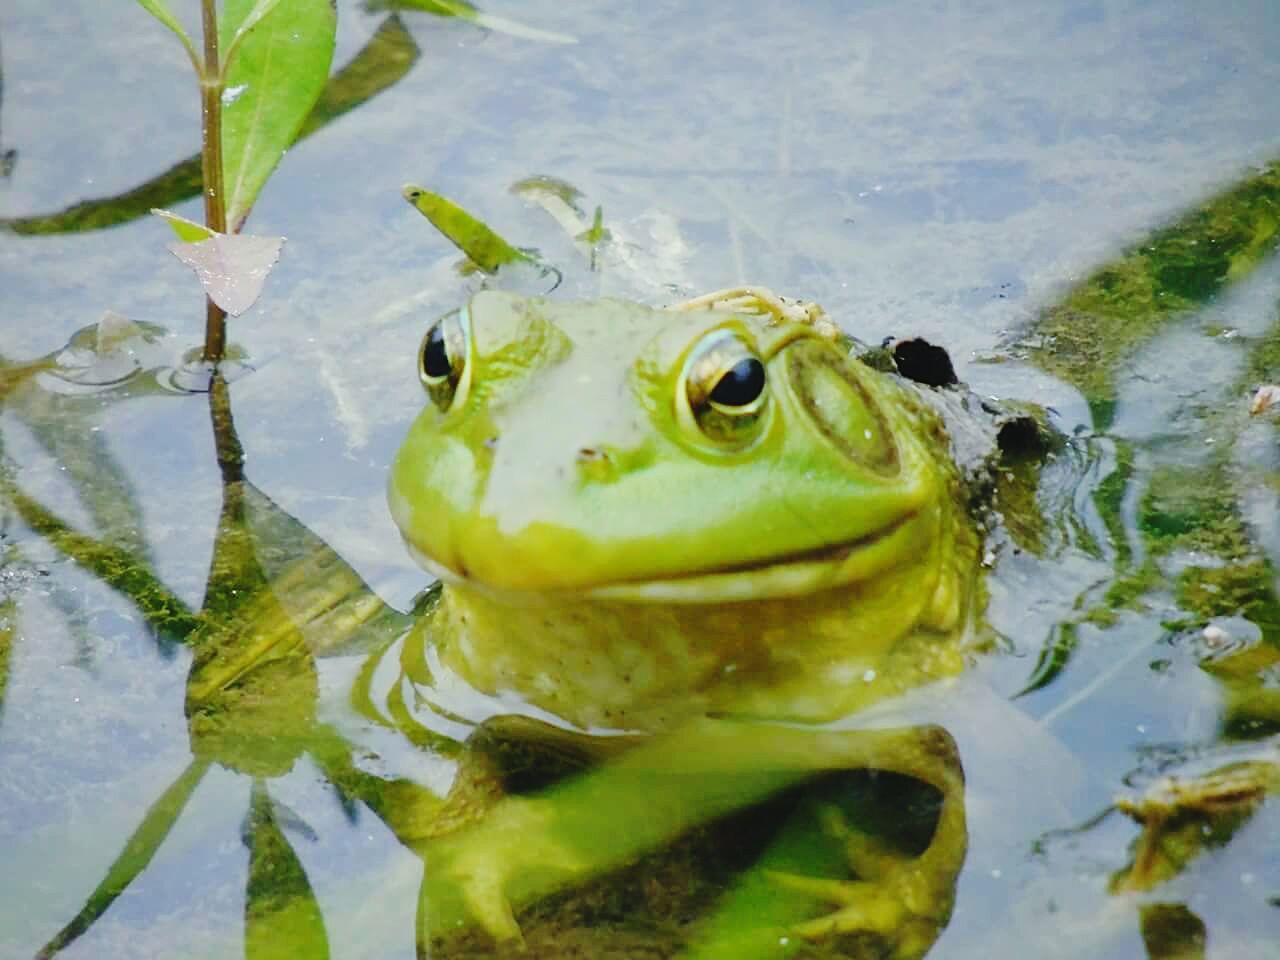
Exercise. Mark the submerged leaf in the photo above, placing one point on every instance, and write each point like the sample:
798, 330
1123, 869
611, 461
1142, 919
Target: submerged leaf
486, 249
276, 76
282, 917
231, 267
466, 11
188, 231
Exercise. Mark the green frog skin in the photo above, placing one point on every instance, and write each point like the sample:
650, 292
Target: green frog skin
685, 523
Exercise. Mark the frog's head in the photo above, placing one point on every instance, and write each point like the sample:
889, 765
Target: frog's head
645, 455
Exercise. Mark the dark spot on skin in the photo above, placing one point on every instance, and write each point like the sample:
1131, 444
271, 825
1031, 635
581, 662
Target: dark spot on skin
587, 454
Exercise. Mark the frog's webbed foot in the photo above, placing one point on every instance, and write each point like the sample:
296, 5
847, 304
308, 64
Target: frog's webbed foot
476, 874
902, 899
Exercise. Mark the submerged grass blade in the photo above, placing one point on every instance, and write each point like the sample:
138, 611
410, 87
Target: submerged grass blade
115, 567
282, 918
1085, 337
276, 77
137, 854
462, 10
485, 248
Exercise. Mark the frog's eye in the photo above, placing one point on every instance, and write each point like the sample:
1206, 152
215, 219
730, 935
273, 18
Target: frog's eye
442, 359
725, 389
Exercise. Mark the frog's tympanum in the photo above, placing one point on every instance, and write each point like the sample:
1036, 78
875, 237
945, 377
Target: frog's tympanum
708, 524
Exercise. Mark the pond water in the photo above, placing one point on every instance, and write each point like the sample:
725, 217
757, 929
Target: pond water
933, 169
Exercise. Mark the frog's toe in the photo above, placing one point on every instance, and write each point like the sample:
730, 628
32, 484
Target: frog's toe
511, 855
489, 905
861, 907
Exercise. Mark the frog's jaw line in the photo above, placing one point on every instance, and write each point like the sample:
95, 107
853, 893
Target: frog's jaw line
837, 565
910, 538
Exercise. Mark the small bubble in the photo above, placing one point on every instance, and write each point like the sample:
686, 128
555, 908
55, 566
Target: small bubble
868, 676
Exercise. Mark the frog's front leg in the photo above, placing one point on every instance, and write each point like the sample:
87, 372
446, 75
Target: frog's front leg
528, 847
906, 901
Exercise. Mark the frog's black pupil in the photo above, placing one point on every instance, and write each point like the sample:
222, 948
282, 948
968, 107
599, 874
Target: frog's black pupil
435, 355
741, 384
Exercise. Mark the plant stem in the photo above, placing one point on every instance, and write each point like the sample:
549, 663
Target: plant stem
215, 208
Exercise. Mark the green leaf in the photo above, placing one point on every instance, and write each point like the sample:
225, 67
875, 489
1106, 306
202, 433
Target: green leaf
162, 13
260, 10
381, 63
276, 76
486, 249
188, 231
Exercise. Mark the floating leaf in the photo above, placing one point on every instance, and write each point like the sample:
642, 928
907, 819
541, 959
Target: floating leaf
162, 13
188, 231
466, 11
277, 75
486, 249
231, 267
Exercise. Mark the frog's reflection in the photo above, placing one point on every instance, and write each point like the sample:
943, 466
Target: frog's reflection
717, 838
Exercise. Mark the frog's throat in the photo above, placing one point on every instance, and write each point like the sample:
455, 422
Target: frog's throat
793, 575
603, 663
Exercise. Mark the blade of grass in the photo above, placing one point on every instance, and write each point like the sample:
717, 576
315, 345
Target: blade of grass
137, 854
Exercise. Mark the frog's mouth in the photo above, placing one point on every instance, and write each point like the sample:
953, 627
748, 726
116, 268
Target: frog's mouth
909, 538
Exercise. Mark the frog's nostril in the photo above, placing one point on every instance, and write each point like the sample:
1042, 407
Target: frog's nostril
597, 464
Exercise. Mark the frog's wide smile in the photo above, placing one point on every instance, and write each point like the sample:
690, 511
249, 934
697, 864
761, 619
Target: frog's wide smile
806, 572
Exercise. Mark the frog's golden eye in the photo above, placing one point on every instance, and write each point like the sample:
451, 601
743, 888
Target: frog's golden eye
725, 389
442, 359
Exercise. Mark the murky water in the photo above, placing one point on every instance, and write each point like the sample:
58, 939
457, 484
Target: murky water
946, 170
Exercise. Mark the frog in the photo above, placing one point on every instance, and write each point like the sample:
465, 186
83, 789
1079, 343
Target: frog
703, 532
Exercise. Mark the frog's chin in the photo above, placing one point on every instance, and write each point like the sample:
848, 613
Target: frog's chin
908, 540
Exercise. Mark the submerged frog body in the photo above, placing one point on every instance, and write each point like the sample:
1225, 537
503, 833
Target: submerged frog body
647, 517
